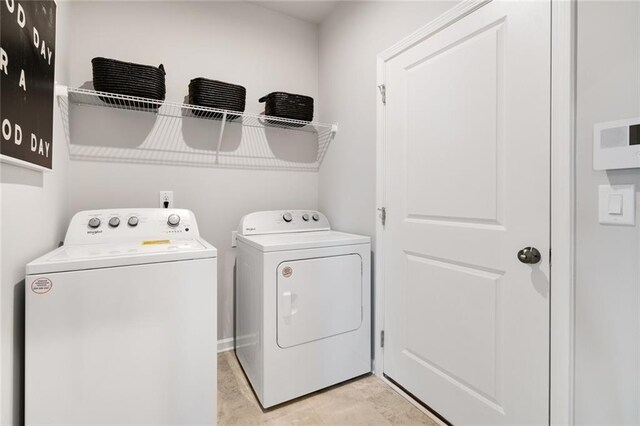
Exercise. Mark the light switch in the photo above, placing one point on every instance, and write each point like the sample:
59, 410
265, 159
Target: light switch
617, 204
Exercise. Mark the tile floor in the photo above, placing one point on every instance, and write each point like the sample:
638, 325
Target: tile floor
364, 401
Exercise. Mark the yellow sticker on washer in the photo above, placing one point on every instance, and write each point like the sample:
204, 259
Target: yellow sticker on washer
149, 242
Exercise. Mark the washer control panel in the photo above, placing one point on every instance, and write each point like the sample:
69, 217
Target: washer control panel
282, 221
107, 226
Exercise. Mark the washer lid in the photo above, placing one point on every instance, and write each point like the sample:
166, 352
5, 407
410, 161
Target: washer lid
302, 240
77, 257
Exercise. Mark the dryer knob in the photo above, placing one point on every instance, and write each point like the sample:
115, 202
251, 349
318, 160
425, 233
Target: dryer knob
173, 220
287, 217
114, 222
133, 221
316, 217
305, 217
94, 222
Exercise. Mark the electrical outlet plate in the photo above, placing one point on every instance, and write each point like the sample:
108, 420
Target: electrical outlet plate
166, 199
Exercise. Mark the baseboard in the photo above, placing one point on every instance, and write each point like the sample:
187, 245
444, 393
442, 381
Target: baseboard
225, 345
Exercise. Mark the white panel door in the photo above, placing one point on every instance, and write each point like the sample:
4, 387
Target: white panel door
466, 185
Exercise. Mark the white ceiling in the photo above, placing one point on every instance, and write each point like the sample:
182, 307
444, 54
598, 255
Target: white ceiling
314, 11
308, 10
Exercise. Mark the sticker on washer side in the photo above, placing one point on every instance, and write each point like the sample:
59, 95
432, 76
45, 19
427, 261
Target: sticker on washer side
287, 271
41, 285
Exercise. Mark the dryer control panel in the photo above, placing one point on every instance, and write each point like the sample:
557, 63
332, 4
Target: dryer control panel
283, 221
121, 225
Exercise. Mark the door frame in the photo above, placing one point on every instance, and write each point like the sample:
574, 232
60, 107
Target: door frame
562, 232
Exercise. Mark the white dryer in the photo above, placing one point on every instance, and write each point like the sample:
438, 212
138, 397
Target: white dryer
303, 304
121, 323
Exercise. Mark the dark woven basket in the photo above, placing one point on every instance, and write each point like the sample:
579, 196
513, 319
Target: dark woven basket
216, 94
127, 78
288, 105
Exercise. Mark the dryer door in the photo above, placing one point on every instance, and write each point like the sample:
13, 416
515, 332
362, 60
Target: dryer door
318, 298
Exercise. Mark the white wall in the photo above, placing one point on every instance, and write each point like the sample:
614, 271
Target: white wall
231, 41
607, 381
350, 40
33, 214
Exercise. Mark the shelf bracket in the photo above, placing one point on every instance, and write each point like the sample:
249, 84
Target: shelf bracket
224, 122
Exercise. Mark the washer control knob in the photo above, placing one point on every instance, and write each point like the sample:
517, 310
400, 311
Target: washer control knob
287, 217
173, 220
94, 222
133, 221
305, 217
316, 217
114, 222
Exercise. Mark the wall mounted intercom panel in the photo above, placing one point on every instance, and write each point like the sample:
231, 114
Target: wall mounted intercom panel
616, 144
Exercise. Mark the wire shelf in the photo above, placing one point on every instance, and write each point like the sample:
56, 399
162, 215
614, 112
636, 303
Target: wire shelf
225, 139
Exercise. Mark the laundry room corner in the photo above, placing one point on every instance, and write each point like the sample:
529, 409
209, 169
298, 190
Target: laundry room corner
238, 42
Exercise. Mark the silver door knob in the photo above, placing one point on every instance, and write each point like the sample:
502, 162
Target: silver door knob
529, 255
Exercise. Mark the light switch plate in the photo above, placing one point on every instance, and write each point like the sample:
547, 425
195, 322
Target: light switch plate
608, 195
616, 204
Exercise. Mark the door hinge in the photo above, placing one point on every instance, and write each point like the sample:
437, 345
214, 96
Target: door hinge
383, 215
383, 93
382, 338
549, 257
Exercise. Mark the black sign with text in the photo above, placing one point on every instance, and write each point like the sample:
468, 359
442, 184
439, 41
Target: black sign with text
27, 65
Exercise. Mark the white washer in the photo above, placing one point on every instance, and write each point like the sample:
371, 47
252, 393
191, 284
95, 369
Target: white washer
121, 322
303, 304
